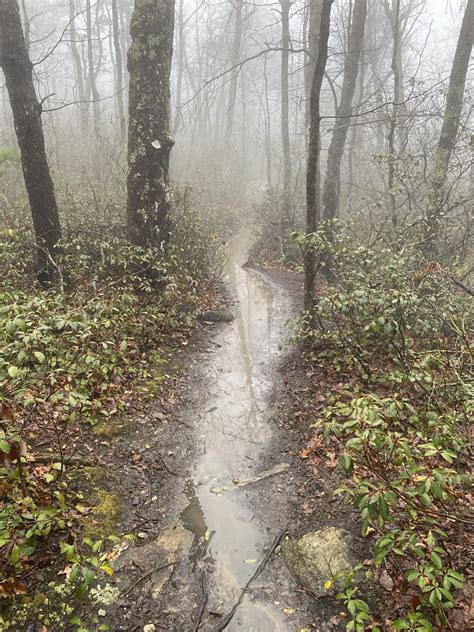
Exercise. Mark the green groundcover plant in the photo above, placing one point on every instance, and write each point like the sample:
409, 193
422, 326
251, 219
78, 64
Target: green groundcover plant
396, 333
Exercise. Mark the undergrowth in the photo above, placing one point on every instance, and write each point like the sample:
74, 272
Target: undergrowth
68, 357
392, 338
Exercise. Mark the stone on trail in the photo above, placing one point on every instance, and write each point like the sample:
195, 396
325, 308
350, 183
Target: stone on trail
317, 557
156, 559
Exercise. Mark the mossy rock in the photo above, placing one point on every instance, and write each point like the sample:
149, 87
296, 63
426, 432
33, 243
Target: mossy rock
316, 558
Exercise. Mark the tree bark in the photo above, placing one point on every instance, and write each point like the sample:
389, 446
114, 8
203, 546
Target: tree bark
180, 66
353, 140
268, 129
451, 120
118, 66
26, 26
149, 138
314, 19
313, 206
91, 70
332, 182
78, 68
285, 126
394, 16
18, 71
236, 48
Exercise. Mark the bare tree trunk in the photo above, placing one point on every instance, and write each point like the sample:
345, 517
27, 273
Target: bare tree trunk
243, 169
452, 117
91, 71
118, 67
332, 182
394, 16
78, 68
313, 206
268, 130
124, 16
26, 26
285, 127
234, 75
353, 141
393, 13
180, 66
149, 139
18, 71
314, 19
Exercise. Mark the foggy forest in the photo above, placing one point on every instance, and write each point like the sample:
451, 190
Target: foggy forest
236, 315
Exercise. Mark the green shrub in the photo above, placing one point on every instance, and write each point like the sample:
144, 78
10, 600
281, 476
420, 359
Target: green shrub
398, 337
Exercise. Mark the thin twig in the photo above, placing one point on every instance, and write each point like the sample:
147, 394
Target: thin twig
260, 568
167, 468
143, 577
197, 625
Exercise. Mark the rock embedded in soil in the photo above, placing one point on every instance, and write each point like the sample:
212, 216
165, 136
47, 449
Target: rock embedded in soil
156, 560
316, 558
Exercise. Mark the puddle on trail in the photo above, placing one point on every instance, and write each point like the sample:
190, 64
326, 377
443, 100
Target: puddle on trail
234, 435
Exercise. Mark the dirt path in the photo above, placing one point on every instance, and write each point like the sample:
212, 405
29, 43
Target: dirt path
207, 557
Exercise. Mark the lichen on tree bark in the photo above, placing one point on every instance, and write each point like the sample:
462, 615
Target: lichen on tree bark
149, 139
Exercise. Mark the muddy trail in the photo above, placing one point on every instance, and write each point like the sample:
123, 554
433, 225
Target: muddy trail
216, 479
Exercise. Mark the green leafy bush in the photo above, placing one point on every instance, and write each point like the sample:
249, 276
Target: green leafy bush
398, 337
67, 356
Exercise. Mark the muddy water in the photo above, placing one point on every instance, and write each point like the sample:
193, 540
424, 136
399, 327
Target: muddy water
234, 437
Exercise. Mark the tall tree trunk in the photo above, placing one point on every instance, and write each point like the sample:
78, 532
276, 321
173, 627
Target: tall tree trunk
332, 182
180, 66
314, 20
451, 120
26, 109
26, 26
268, 129
234, 75
313, 206
285, 125
353, 141
91, 70
398, 26
118, 67
124, 15
394, 16
78, 68
149, 139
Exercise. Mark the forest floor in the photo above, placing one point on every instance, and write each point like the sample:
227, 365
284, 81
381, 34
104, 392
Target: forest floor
237, 403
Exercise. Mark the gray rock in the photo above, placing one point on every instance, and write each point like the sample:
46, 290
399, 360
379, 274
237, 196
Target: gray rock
317, 557
156, 559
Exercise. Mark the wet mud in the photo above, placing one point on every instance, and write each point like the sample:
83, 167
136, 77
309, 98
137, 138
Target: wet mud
219, 479
233, 436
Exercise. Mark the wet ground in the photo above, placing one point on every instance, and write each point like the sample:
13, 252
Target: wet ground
212, 481
234, 435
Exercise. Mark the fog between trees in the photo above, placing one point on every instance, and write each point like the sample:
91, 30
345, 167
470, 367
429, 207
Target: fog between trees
240, 87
